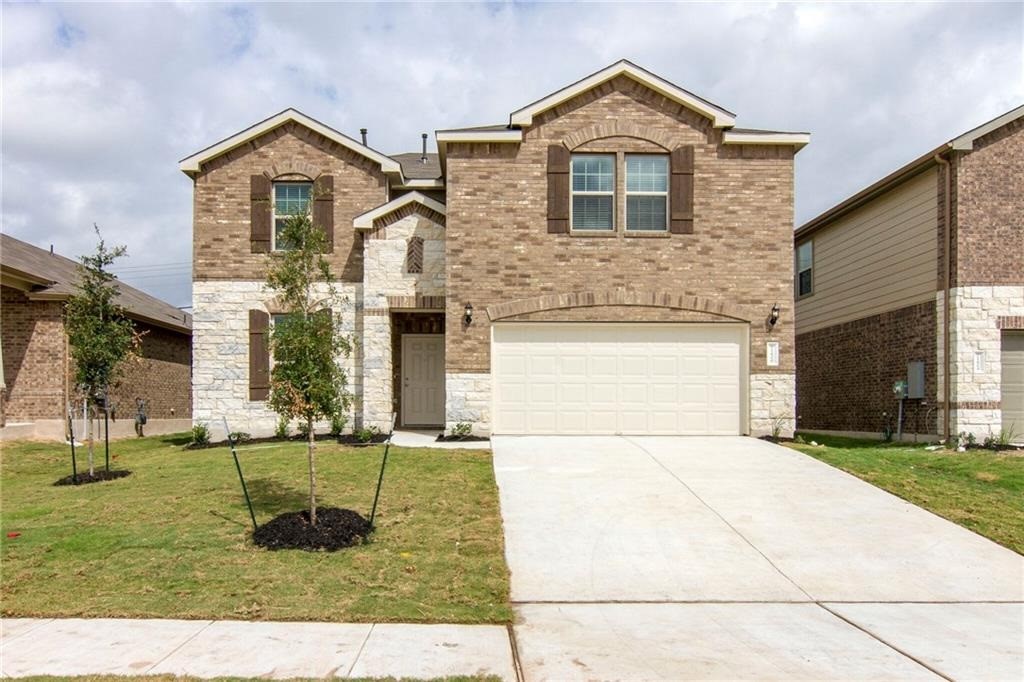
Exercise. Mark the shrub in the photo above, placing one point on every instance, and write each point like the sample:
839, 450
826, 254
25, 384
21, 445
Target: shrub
367, 434
303, 429
338, 423
239, 436
201, 434
462, 429
282, 430
968, 440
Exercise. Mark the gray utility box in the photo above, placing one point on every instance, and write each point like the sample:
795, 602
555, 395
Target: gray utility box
915, 380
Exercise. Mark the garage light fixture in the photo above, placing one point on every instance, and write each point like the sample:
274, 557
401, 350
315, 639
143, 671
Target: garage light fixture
468, 317
774, 317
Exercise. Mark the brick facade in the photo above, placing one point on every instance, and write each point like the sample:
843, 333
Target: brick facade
221, 208
845, 373
39, 374
989, 210
499, 249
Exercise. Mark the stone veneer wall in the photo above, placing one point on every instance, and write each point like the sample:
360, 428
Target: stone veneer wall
220, 352
386, 275
468, 400
772, 403
845, 372
974, 317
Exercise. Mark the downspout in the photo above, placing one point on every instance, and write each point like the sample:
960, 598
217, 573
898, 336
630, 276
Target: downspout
946, 279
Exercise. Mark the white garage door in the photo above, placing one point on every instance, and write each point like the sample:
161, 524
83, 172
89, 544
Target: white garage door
617, 378
1013, 382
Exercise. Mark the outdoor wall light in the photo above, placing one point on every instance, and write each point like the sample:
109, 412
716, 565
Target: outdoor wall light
468, 317
774, 317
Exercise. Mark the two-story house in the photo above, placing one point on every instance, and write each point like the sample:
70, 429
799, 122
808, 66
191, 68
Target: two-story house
889, 290
617, 258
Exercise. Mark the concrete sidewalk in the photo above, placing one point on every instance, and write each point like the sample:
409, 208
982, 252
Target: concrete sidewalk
204, 648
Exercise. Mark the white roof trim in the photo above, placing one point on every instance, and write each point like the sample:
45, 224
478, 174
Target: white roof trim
365, 221
798, 140
479, 136
966, 141
720, 117
421, 183
192, 163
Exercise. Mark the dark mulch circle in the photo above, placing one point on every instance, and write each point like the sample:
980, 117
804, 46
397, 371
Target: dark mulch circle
443, 438
97, 477
335, 529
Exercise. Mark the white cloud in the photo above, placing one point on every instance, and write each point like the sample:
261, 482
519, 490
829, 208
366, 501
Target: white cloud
101, 100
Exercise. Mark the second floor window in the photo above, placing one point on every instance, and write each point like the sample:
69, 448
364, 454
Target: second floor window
593, 192
290, 198
646, 192
805, 269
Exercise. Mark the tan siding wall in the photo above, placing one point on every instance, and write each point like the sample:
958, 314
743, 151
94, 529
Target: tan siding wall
881, 257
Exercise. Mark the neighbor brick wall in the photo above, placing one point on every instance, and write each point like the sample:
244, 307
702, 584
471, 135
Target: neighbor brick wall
990, 209
221, 204
34, 357
162, 376
498, 248
845, 373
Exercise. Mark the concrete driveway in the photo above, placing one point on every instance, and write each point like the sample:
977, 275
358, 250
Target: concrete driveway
732, 558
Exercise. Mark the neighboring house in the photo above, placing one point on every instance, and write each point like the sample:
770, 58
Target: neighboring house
608, 262
874, 278
38, 377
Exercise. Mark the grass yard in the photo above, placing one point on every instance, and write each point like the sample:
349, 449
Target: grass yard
978, 489
173, 540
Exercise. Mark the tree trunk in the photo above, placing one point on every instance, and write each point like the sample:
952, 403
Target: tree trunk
312, 471
89, 431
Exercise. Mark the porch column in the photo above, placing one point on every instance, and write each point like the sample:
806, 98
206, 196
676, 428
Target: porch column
377, 389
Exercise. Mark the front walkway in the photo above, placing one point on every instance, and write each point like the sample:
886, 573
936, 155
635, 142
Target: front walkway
732, 558
246, 649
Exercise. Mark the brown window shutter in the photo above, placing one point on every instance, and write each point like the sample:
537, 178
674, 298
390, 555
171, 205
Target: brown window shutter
259, 355
323, 207
681, 191
414, 255
259, 197
558, 189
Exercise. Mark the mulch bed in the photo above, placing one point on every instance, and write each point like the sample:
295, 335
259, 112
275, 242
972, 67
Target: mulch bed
344, 439
335, 529
442, 438
97, 477
780, 439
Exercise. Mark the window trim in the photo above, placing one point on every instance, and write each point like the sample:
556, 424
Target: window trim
627, 194
613, 230
274, 184
810, 268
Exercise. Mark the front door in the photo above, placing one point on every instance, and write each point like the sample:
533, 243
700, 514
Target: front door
422, 379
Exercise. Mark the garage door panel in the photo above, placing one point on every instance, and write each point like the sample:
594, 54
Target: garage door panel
1012, 382
617, 378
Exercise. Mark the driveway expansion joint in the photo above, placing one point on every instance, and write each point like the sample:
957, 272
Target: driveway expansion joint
180, 646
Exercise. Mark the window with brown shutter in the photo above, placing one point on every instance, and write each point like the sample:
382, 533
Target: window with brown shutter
323, 207
681, 194
259, 214
259, 355
558, 189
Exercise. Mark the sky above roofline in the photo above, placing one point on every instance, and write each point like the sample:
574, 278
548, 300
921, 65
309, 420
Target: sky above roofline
102, 100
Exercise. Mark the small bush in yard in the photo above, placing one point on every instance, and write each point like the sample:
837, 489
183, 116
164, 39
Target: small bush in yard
462, 429
239, 436
367, 434
282, 430
338, 424
201, 434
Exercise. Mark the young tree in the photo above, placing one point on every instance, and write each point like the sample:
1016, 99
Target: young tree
101, 338
306, 380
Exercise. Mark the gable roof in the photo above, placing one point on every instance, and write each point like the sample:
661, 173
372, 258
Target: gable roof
365, 221
191, 165
414, 168
721, 118
50, 276
964, 142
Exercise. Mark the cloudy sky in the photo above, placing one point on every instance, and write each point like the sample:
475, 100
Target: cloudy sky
100, 101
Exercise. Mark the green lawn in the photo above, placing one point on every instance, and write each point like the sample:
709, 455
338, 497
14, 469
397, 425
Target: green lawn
173, 539
978, 489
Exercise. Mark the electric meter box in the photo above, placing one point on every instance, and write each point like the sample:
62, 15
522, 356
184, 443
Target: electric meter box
915, 380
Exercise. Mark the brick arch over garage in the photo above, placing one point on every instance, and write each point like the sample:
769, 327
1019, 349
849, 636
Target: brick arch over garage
617, 128
615, 297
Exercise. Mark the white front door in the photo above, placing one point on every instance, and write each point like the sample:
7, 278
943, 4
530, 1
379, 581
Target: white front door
422, 379
593, 378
